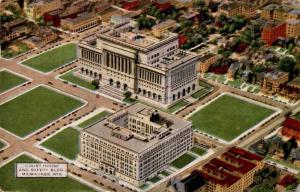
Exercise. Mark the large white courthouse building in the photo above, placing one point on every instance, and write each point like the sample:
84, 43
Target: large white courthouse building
135, 143
152, 68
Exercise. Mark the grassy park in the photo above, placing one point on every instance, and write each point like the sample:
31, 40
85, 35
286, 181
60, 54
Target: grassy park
10, 183
177, 106
34, 109
200, 93
69, 76
65, 143
199, 151
182, 161
2, 145
227, 117
94, 119
9, 80
53, 59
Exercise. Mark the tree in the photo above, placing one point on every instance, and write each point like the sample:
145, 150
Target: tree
96, 83
145, 22
288, 64
288, 146
127, 94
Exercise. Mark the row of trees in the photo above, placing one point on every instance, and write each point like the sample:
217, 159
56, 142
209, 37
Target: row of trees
145, 22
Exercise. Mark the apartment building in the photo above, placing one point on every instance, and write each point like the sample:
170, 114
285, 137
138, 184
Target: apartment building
206, 61
152, 69
272, 31
293, 28
163, 27
135, 143
272, 81
232, 171
234, 9
275, 11
279, 12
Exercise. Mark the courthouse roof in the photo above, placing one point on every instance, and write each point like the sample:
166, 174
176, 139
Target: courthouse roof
103, 129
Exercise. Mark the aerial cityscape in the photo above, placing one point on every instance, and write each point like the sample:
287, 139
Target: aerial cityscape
150, 96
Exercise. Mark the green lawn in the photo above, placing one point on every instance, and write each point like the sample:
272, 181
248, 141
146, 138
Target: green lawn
282, 162
10, 53
10, 183
228, 117
235, 83
165, 173
182, 161
2, 145
199, 93
199, 151
53, 59
65, 143
94, 119
204, 84
155, 179
297, 115
129, 100
73, 79
144, 186
9, 80
34, 109
177, 106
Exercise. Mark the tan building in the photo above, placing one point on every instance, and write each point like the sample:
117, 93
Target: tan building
37, 9
206, 61
234, 9
293, 28
268, 11
279, 13
81, 23
163, 27
152, 69
234, 171
134, 144
272, 81
294, 14
15, 29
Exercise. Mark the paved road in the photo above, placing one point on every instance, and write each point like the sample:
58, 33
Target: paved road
17, 145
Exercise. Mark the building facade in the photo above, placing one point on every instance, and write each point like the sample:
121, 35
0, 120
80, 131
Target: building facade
232, 171
15, 29
37, 9
81, 23
293, 28
235, 8
206, 61
272, 31
163, 27
135, 143
152, 69
272, 81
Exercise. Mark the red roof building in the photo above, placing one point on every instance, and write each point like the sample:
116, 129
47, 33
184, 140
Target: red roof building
272, 31
233, 171
291, 128
53, 17
182, 39
129, 5
163, 5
